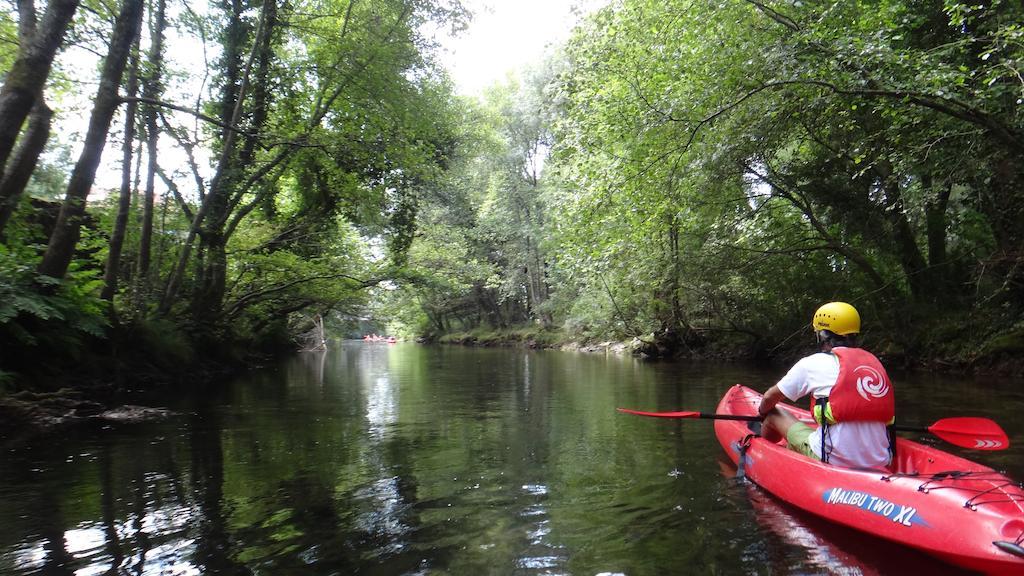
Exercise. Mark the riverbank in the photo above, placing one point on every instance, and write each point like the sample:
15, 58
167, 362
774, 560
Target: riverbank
26, 414
537, 337
49, 389
1001, 355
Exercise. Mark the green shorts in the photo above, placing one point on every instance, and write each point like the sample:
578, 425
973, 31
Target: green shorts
798, 438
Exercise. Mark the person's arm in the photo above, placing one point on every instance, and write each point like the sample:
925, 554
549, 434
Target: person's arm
772, 397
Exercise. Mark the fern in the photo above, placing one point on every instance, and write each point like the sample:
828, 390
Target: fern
59, 314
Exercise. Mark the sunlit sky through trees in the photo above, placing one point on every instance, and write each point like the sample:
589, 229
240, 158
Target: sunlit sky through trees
506, 35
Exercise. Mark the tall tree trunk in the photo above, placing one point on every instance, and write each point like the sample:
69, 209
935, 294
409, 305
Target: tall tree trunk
261, 86
935, 230
20, 169
532, 298
208, 299
676, 272
151, 90
24, 82
206, 305
1003, 204
215, 203
907, 250
65, 234
124, 200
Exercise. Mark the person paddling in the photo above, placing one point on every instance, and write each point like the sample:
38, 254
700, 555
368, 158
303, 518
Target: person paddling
852, 398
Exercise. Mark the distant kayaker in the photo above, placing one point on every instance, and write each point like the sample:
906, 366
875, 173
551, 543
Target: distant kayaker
852, 398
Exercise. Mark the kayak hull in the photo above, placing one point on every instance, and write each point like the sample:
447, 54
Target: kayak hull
944, 505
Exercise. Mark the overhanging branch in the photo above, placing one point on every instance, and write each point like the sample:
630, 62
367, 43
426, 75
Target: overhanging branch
196, 113
256, 295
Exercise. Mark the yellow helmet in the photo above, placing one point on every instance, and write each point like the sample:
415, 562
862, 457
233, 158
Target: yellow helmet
837, 317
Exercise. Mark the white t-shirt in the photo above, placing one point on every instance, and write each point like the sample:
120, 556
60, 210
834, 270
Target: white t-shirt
853, 444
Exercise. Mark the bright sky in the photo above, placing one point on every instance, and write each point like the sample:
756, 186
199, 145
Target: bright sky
505, 35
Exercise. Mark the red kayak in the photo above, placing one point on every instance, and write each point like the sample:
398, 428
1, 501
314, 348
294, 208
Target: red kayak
957, 510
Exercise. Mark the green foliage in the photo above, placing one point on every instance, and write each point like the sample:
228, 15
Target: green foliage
810, 152
479, 256
40, 316
346, 123
704, 171
161, 343
8, 38
533, 336
718, 191
49, 179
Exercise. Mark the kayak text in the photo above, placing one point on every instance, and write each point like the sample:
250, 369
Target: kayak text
899, 513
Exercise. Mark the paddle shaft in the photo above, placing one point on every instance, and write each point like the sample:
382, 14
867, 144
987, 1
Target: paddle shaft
964, 431
712, 416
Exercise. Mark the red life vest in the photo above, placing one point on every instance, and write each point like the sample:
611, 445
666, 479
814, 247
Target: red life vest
862, 392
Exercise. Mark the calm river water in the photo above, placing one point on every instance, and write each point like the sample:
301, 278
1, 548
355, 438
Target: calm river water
405, 459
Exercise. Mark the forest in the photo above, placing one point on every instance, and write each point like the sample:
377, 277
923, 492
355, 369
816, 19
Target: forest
696, 175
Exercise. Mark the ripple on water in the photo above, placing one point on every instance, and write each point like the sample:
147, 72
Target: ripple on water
534, 510
539, 562
535, 489
537, 535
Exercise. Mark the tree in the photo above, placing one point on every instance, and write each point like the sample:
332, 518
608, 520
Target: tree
20, 168
801, 136
22, 95
23, 84
355, 121
152, 89
65, 234
117, 235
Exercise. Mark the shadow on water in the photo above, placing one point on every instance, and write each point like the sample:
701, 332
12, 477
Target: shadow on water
402, 459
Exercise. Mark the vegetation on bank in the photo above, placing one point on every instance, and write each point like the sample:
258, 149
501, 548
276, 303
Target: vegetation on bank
525, 336
717, 170
270, 159
699, 175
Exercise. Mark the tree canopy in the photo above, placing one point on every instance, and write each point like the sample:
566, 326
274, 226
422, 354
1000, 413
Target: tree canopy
700, 174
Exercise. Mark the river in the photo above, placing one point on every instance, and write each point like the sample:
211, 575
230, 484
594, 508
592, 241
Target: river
404, 459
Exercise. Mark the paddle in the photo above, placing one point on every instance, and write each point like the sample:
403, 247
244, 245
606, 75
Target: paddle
963, 431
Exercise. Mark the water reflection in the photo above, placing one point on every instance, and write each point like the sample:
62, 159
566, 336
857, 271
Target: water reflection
384, 519
539, 554
112, 546
402, 459
381, 407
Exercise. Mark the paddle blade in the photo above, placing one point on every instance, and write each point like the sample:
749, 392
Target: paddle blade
971, 432
661, 414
